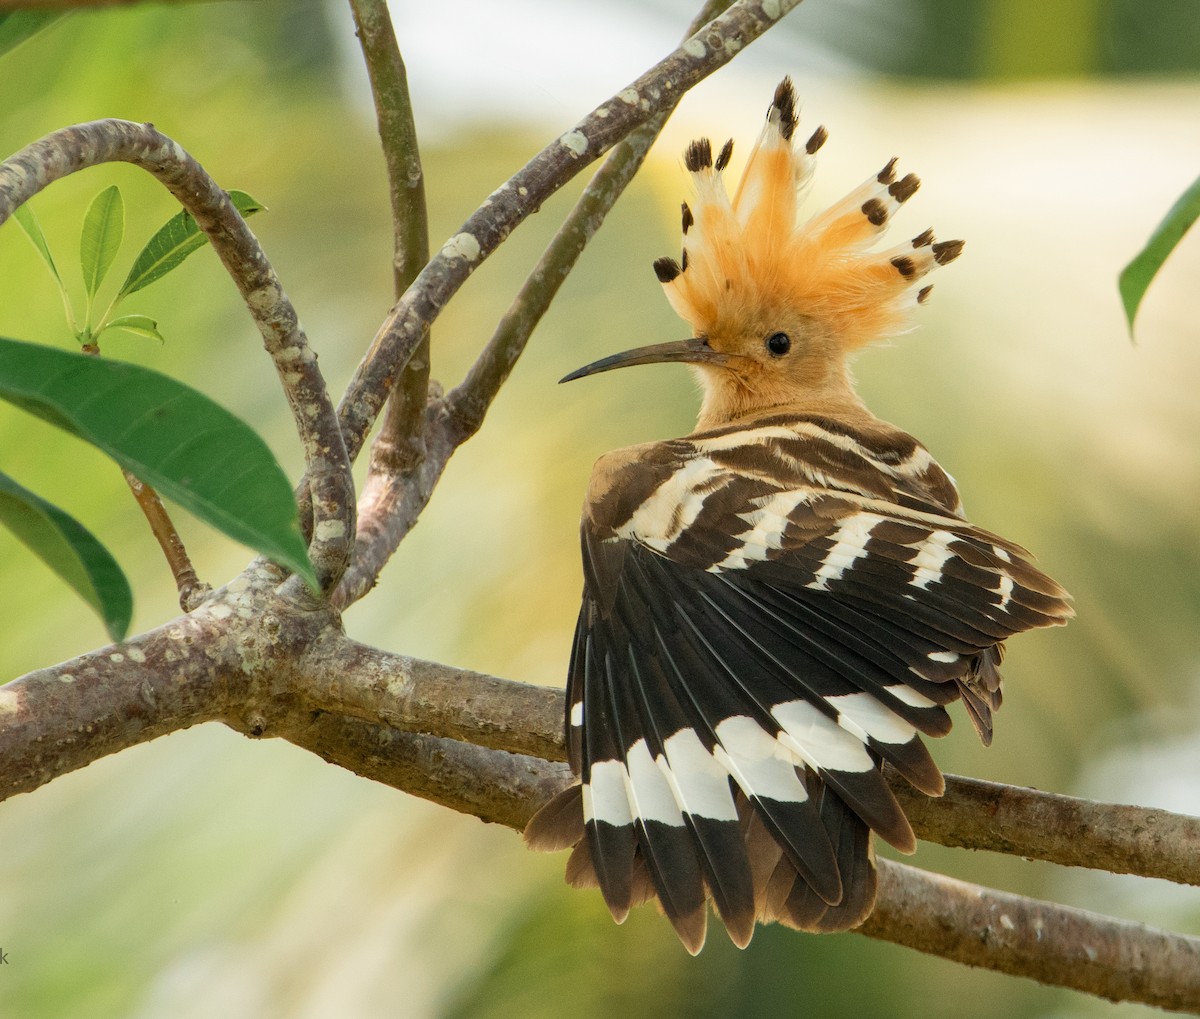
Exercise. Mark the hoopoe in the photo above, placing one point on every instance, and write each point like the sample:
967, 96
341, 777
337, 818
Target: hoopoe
788, 597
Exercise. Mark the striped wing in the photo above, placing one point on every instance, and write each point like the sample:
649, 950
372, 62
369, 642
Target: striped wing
768, 615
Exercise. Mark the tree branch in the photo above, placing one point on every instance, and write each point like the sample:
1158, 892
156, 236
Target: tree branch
71, 149
513, 201
379, 687
393, 496
959, 921
399, 448
1057, 945
57, 720
282, 673
191, 588
1073, 832
306, 662
489, 784
407, 693
398, 137
469, 401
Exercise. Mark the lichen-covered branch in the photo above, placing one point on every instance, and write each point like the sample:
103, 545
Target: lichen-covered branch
306, 661
1053, 944
973, 814
468, 402
59, 719
656, 90
399, 485
430, 730
399, 448
71, 149
1074, 832
959, 921
357, 680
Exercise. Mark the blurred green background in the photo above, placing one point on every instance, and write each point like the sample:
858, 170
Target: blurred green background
206, 875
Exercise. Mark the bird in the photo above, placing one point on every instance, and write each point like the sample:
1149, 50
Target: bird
786, 599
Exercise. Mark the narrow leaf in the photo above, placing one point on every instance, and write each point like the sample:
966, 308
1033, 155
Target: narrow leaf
18, 26
71, 551
103, 229
1136, 277
140, 325
28, 222
179, 441
173, 242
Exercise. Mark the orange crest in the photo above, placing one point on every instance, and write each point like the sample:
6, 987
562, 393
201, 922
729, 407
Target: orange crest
752, 252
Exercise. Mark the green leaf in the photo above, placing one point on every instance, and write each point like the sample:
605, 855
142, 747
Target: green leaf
18, 26
103, 229
71, 551
28, 222
173, 242
1136, 277
140, 325
179, 441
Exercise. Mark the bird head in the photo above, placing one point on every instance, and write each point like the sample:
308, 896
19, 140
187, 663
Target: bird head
776, 305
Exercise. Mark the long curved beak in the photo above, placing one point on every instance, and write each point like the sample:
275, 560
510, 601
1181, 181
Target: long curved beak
693, 351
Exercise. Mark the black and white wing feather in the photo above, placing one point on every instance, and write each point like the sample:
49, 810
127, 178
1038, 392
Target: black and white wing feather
768, 615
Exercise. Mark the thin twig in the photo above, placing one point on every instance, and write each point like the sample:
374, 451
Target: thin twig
188, 586
191, 589
398, 137
71, 149
399, 447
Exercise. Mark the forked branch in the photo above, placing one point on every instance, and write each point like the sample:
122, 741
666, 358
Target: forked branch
398, 488
658, 89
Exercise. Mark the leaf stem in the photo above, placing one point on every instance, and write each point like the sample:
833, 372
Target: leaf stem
104, 319
191, 589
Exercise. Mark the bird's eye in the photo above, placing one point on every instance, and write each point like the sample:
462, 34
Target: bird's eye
779, 344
